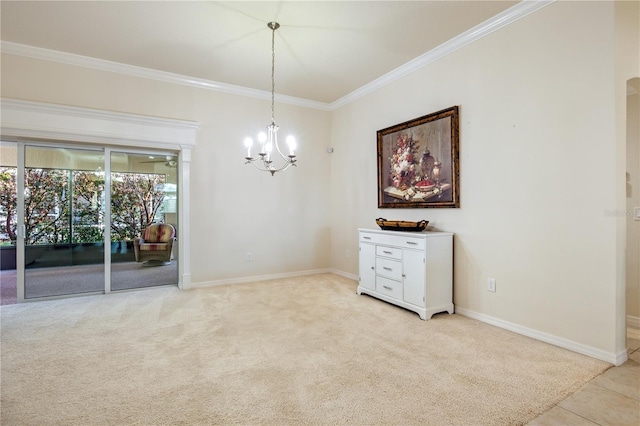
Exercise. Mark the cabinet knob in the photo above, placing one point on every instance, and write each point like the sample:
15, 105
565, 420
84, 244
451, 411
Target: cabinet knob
373, 268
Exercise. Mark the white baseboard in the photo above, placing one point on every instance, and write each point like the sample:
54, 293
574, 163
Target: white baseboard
612, 358
243, 280
184, 282
345, 274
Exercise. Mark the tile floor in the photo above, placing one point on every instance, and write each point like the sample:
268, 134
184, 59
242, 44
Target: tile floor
613, 398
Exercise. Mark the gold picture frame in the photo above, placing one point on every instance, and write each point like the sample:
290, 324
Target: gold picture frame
418, 162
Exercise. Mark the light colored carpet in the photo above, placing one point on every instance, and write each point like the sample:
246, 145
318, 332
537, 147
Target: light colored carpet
294, 351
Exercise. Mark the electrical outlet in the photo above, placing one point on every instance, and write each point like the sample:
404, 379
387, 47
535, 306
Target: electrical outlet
491, 284
249, 257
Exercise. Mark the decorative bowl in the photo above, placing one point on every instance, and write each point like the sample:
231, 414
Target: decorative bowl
424, 185
402, 225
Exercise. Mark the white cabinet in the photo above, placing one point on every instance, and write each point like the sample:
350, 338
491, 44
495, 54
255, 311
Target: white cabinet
368, 267
412, 270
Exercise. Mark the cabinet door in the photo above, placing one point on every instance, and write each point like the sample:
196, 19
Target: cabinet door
414, 277
368, 265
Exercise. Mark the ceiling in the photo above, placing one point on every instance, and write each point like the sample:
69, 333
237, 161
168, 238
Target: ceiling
324, 49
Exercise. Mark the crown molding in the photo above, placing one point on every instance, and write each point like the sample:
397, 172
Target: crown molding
135, 71
495, 23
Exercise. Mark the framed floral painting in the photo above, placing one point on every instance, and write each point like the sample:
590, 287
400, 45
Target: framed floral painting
418, 163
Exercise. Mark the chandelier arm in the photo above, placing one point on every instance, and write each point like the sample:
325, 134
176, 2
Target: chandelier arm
258, 167
269, 167
275, 142
255, 163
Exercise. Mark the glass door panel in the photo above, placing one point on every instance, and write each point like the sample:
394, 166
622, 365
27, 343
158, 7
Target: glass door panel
64, 221
143, 192
8, 222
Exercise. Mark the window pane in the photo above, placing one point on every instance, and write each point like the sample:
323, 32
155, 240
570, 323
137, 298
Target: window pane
64, 211
143, 193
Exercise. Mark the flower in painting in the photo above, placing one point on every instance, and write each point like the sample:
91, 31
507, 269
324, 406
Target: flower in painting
402, 166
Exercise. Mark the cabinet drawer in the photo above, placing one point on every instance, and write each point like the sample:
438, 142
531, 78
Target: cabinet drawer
389, 287
392, 252
394, 240
372, 237
389, 268
412, 243
366, 237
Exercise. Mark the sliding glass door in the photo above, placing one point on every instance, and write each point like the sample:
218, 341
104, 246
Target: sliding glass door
143, 196
63, 221
73, 219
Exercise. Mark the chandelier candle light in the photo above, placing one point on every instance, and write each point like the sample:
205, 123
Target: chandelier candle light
269, 141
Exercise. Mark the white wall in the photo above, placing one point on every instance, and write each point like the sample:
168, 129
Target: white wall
282, 220
538, 168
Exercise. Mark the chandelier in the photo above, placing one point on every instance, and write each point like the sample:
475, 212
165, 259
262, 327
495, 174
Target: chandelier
270, 158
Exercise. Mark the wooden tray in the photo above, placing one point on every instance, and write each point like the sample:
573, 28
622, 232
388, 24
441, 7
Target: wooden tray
402, 225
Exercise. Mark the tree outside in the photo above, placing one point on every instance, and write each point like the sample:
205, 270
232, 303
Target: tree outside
88, 206
8, 203
136, 202
63, 206
46, 210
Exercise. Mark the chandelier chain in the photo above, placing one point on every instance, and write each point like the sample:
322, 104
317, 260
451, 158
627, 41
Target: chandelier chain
273, 74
